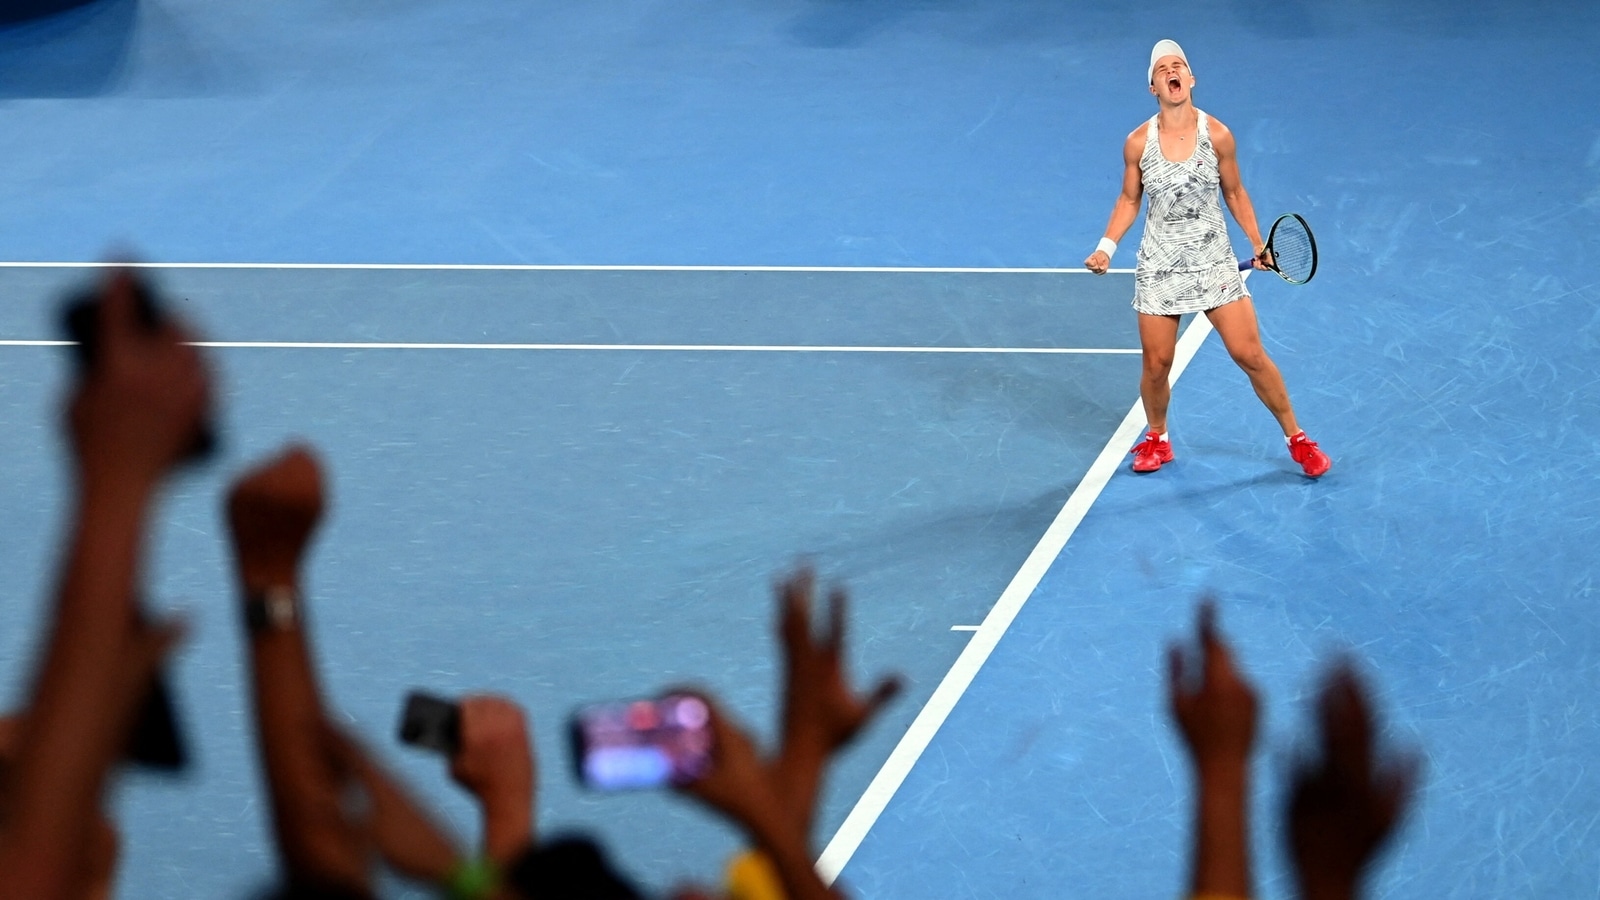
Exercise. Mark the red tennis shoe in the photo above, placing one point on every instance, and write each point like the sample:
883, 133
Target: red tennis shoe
1150, 453
1310, 457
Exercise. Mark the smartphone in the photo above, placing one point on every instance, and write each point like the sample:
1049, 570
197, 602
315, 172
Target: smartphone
80, 323
156, 741
642, 743
431, 723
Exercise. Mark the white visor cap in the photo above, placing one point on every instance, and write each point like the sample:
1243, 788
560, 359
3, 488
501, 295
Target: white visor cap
1163, 47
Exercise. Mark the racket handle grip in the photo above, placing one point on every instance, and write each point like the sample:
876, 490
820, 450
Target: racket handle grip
1247, 264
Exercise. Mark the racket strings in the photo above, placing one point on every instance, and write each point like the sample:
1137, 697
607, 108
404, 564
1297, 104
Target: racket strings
1293, 252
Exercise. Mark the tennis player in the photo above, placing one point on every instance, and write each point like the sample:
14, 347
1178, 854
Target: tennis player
1181, 157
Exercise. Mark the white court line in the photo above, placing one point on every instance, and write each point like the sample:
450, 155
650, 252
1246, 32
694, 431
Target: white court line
453, 267
720, 348
965, 627
955, 683
443, 267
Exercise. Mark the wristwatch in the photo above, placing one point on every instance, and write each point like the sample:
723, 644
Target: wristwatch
276, 608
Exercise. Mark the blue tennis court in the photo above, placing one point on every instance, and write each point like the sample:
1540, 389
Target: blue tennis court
603, 316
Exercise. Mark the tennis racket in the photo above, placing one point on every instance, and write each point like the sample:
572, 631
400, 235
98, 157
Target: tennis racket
1291, 251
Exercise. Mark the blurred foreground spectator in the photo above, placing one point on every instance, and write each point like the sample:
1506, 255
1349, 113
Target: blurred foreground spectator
133, 415
1345, 798
335, 810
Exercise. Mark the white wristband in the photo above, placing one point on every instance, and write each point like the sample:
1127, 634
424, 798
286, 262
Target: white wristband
1108, 247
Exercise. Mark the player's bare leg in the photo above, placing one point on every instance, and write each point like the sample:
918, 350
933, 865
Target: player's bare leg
1158, 338
1158, 343
1236, 324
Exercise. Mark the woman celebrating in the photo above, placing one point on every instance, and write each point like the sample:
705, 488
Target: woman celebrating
1181, 157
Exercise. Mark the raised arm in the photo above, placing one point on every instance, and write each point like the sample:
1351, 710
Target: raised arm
131, 417
324, 841
743, 787
403, 831
774, 800
496, 764
1233, 192
1215, 709
1347, 796
821, 711
1126, 209
272, 513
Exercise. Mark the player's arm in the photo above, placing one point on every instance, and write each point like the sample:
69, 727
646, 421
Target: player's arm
1126, 208
1233, 192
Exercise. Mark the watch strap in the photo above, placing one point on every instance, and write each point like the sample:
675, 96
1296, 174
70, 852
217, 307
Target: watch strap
276, 608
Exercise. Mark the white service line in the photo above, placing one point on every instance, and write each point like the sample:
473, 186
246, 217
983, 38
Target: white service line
720, 348
955, 683
466, 267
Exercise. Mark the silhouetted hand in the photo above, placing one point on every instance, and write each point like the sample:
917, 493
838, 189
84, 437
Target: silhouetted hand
1344, 802
756, 796
273, 511
1215, 708
1216, 711
820, 711
738, 783
819, 708
775, 802
135, 412
496, 764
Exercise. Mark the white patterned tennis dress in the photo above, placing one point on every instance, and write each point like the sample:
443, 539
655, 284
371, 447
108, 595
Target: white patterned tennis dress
1185, 260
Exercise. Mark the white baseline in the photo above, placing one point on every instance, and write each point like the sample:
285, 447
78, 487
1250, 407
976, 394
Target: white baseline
450, 267
469, 267
719, 348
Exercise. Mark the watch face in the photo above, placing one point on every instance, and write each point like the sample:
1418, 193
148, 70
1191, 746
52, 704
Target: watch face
280, 609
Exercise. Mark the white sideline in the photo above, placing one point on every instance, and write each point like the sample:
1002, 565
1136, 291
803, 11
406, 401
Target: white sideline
927, 723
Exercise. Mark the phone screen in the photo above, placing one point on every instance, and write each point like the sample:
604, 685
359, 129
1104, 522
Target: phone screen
642, 743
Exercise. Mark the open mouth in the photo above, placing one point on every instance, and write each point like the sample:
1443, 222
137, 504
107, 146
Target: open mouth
1173, 84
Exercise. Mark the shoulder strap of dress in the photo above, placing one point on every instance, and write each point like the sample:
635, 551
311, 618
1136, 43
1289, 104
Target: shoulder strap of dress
1202, 124
1150, 132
